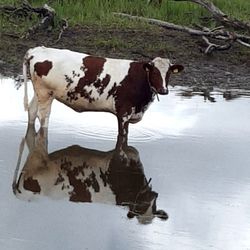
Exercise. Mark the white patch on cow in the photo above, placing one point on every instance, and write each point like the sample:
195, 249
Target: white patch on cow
163, 65
117, 69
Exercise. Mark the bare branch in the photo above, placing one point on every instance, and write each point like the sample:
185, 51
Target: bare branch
220, 16
217, 33
212, 46
164, 24
64, 25
243, 43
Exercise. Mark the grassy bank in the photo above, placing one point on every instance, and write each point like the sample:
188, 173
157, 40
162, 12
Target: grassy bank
100, 11
94, 30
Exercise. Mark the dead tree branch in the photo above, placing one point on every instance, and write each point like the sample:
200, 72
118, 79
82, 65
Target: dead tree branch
218, 33
46, 16
64, 26
47, 21
221, 16
212, 46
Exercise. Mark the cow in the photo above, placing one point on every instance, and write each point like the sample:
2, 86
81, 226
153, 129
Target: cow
84, 82
85, 175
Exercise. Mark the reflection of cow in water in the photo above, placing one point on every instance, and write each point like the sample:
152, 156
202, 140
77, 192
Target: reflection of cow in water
85, 175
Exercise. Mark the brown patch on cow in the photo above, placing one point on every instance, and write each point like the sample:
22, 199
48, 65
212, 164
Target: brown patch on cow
32, 185
59, 179
73, 95
155, 78
75, 74
80, 191
91, 181
103, 176
112, 91
43, 68
134, 91
103, 84
68, 80
127, 182
92, 67
167, 77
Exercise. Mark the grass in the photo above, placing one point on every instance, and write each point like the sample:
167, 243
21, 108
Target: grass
99, 12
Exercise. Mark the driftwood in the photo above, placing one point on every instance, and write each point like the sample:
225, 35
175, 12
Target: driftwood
218, 33
45, 13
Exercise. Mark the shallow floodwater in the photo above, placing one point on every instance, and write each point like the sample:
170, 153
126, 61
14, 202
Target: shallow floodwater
194, 153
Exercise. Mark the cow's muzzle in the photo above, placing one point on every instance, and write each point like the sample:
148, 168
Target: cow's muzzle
162, 91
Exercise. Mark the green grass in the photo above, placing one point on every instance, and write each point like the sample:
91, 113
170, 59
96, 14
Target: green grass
99, 12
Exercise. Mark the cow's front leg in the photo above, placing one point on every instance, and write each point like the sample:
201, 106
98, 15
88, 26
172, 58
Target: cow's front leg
32, 110
122, 138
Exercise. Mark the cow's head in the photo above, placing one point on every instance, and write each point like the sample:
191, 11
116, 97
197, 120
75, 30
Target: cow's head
159, 71
144, 208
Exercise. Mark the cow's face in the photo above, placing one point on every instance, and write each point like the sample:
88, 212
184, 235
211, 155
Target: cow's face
159, 71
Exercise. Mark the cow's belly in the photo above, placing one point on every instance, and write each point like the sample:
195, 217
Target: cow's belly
83, 104
89, 99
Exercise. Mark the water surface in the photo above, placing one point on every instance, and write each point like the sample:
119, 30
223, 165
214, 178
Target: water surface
195, 152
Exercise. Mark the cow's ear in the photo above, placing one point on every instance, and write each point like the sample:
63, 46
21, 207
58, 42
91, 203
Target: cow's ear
148, 66
176, 68
161, 214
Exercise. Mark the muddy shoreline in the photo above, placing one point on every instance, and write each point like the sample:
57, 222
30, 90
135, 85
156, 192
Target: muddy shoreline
225, 69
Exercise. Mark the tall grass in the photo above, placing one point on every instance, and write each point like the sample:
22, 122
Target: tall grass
100, 11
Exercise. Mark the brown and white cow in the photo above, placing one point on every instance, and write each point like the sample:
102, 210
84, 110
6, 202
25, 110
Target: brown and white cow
85, 175
88, 83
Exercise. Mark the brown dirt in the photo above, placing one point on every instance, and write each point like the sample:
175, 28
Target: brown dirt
224, 69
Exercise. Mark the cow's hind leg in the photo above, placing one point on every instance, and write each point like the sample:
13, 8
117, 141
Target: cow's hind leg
32, 110
44, 108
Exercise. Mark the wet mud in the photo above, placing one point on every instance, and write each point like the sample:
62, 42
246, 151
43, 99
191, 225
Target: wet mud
225, 69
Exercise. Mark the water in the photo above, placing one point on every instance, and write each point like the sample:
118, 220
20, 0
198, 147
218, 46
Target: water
195, 152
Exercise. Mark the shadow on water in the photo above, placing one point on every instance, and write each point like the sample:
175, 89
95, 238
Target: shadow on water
85, 175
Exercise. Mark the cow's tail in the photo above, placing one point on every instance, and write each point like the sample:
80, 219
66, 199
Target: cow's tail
25, 78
